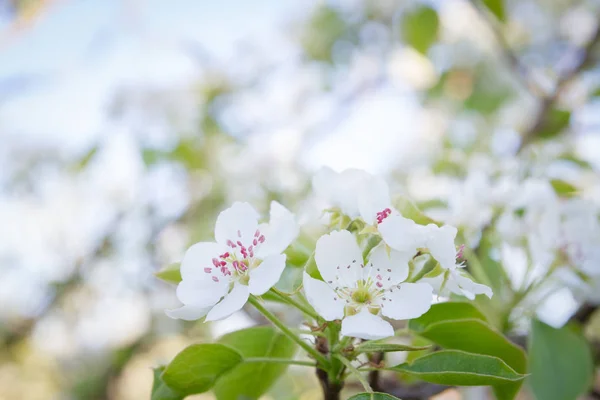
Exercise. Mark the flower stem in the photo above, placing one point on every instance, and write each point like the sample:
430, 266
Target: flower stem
294, 303
279, 361
356, 372
288, 332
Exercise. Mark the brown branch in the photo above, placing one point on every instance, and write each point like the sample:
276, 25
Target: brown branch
584, 313
584, 59
376, 358
419, 391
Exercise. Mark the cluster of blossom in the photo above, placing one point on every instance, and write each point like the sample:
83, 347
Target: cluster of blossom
358, 286
544, 239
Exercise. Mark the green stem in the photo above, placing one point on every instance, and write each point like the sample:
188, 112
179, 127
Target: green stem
288, 332
279, 361
294, 303
307, 332
356, 372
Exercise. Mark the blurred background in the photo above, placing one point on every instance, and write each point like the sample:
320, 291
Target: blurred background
127, 125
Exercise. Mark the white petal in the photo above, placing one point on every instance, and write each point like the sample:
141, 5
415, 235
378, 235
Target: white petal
411, 300
468, 287
391, 269
373, 197
339, 258
187, 312
440, 242
401, 233
340, 189
198, 257
323, 299
238, 222
279, 233
365, 325
267, 274
231, 303
202, 293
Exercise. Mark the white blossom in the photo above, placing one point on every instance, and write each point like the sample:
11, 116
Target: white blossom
440, 242
359, 194
360, 293
218, 277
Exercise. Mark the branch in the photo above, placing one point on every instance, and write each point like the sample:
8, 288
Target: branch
584, 57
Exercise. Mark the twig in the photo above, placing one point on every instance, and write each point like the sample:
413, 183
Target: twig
584, 57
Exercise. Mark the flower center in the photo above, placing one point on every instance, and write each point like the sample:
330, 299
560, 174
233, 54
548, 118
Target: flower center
361, 295
236, 262
381, 215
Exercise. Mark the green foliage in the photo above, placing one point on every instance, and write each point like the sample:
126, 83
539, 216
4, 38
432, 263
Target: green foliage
377, 345
311, 268
497, 8
258, 377
409, 210
460, 326
197, 367
560, 363
325, 28
420, 28
453, 367
562, 188
555, 123
373, 396
160, 390
170, 274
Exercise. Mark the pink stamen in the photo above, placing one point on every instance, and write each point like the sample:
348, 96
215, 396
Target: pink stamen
224, 255
208, 270
460, 252
379, 284
257, 233
214, 278
239, 233
261, 238
255, 242
379, 277
230, 244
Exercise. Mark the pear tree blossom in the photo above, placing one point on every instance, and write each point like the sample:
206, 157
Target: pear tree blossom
361, 292
246, 258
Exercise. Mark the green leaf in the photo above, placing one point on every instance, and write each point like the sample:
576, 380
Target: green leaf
497, 8
170, 274
409, 210
445, 311
372, 346
449, 325
326, 26
562, 188
453, 367
196, 368
420, 28
257, 378
373, 396
160, 390
560, 363
556, 122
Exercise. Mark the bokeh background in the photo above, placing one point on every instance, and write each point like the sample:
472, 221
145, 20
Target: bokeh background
127, 125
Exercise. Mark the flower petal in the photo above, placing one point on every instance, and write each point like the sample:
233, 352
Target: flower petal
401, 233
238, 222
373, 197
365, 325
198, 257
388, 269
187, 312
231, 303
410, 300
340, 189
440, 242
202, 293
467, 287
279, 233
267, 274
323, 299
339, 258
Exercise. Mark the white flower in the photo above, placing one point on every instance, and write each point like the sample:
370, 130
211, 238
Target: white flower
440, 242
361, 293
359, 194
340, 190
217, 278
